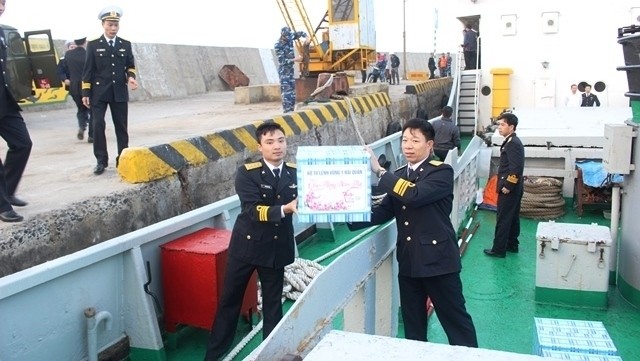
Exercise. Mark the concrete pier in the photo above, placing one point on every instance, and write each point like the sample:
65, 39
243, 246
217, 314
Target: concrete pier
71, 209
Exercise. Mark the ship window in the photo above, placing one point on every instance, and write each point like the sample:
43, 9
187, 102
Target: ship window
343, 10
581, 86
599, 86
486, 90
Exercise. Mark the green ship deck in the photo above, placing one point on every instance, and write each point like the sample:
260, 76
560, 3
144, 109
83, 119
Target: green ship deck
499, 294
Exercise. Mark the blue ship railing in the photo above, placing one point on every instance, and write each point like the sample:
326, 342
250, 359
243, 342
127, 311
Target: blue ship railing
41, 308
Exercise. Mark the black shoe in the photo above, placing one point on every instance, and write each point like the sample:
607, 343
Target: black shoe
80, 134
492, 253
90, 140
512, 249
17, 201
10, 216
99, 169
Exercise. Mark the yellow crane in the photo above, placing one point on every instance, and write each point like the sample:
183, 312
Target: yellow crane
344, 39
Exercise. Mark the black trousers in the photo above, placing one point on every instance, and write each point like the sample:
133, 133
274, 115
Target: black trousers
119, 114
445, 292
507, 220
14, 131
82, 114
236, 277
470, 60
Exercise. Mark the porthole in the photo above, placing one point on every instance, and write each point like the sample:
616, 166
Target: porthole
599, 86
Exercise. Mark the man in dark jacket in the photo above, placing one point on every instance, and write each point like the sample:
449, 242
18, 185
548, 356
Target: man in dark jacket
262, 238
108, 70
420, 197
469, 47
14, 131
510, 189
447, 134
395, 64
74, 60
431, 64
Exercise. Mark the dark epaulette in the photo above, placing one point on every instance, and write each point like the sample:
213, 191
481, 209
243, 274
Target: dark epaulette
254, 165
400, 168
435, 163
290, 165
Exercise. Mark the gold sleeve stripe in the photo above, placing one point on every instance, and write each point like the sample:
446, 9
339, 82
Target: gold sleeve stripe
86, 85
401, 187
512, 179
263, 213
132, 70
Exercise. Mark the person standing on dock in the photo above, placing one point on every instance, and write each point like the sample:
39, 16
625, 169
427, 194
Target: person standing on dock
262, 239
420, 197
14, 131
395, 65
74, 60
286, 60
108, 69
431, 64
510, 189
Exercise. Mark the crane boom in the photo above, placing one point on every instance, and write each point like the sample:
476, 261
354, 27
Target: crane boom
347, 42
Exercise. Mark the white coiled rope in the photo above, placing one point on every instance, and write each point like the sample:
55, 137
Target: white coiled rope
297, 276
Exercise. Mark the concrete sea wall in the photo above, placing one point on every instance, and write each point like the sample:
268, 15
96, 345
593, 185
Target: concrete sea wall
170, 181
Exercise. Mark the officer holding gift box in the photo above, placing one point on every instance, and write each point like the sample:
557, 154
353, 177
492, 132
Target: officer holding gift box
262, 238
420, 197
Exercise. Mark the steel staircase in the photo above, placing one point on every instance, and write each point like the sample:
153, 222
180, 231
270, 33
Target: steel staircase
468, 100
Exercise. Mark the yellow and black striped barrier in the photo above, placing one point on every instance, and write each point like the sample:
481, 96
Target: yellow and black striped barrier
146, 164
424, 86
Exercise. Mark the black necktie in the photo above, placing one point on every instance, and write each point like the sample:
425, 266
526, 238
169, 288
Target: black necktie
111, 43
410, 173
276, 173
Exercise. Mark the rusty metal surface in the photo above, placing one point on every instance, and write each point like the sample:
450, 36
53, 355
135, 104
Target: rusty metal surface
304, 88
233, 76
339, 85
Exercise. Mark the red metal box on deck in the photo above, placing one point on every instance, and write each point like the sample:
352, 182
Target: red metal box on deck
193, 275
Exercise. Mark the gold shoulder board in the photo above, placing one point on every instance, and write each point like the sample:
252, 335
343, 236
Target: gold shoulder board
291, 165
251, 166
436, 163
